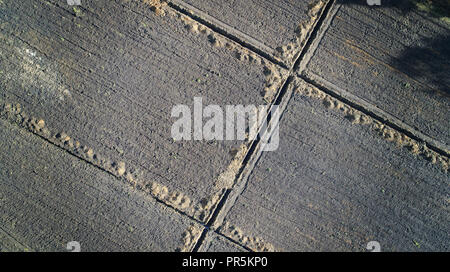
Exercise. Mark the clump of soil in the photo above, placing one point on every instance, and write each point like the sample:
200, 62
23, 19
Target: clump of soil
156, 6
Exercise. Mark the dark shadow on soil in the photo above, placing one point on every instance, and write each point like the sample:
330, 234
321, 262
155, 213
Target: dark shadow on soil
430, 61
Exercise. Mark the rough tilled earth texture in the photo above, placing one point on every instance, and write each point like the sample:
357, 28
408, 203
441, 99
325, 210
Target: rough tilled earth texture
49, 198
335, 185
216, 243
282, 25
395, 57
105, 77
87, 153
